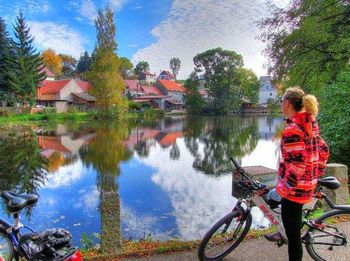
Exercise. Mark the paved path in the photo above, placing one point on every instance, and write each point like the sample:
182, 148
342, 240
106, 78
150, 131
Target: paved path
254, 249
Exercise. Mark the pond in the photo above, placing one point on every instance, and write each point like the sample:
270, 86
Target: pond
170, 179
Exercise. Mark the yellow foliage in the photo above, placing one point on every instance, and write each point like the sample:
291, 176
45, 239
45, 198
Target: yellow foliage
52, 61
107, 84
55, 161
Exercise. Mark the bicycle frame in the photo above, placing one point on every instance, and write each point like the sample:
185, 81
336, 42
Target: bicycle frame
13, 230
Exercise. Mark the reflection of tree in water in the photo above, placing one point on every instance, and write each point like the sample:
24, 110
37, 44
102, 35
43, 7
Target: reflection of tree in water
104, 154
23, 169
222, 137
174, 152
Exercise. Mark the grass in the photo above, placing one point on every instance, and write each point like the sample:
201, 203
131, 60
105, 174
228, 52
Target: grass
145, 248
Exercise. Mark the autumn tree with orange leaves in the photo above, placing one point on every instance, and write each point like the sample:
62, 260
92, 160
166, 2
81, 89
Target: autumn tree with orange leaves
52, 61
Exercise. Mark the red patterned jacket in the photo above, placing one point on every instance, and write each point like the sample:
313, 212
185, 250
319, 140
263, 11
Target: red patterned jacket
304, 157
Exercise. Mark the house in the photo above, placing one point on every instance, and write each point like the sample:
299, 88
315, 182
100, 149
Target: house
267, 90
148, 77
165, 75
50, 76
133, 89
60, 93
175, 92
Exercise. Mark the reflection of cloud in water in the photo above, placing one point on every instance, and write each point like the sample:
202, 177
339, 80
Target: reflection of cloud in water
198, 200
265, 154
88, 200
141, 226
65, 176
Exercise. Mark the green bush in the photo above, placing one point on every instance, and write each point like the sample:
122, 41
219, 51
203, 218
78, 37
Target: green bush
134, 106
153, 114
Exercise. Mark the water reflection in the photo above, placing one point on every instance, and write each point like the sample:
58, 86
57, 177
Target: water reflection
130, 181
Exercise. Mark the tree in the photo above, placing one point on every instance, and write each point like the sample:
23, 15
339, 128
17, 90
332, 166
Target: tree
175, 64
107, 83
193, 99
84, 63
26, 65
308, 42
68, 64
5, 53
52, 61
125, 67
249, 85
335, 117
222, 78
141, 66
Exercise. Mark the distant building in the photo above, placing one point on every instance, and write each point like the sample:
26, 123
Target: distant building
267, 90
148, 77
60, 93
165, 75
50, 76
133, 89
175, 92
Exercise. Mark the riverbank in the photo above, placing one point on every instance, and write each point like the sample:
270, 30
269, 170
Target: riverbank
151, 248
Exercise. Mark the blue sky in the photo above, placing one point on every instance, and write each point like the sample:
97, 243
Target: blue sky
151, 30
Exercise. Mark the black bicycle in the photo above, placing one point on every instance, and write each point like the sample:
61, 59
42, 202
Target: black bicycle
325, 238
48, 245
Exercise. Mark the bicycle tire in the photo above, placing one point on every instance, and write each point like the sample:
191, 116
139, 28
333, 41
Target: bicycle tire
227, 220
6, 246
336, 222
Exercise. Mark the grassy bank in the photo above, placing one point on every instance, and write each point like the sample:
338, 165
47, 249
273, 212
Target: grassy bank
146, 248
51, 116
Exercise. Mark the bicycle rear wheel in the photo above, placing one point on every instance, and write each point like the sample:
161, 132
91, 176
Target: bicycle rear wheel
6, 247
331, 240
224, 236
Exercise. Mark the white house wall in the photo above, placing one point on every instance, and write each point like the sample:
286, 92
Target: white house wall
71, 87
267, 92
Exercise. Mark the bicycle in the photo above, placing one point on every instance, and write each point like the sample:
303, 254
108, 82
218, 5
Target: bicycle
10, 234
323, 237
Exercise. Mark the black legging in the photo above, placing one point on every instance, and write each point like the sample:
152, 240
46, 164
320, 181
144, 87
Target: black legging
292, 218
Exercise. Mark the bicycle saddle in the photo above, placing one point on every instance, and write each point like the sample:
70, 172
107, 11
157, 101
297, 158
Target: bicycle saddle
329, 182
16, 202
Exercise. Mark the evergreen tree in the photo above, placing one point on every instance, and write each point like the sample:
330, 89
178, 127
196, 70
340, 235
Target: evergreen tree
84, 63
5, 53
26, 65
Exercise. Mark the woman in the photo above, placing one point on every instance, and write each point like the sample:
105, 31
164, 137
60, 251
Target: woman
304, 157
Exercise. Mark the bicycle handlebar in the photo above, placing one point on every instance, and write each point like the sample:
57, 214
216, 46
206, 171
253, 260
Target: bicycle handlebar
255, 185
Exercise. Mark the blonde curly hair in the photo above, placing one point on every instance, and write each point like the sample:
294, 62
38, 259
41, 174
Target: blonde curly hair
300, 101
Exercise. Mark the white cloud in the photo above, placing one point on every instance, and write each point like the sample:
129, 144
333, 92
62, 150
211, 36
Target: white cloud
195, 26
60, 37
88, 10
31, 7
117, 5
65, 176
133, 45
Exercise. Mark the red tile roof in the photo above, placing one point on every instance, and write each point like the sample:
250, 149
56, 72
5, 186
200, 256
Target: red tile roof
151, 90
172, 86
48, 72
168, 74
84, 85
203, 92
131, 85
52, 87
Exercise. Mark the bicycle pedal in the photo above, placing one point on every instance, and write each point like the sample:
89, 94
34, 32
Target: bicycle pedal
280, 243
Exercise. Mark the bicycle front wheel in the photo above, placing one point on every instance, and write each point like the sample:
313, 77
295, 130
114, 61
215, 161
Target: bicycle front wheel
224, 236
6, 247
330, 240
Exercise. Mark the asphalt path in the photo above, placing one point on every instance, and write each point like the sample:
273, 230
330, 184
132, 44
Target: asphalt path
258, 249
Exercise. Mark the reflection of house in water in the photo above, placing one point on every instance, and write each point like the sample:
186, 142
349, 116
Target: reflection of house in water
164, 133
61, 147
268, 127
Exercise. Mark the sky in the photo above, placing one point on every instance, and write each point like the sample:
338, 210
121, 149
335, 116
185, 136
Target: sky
150, 30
